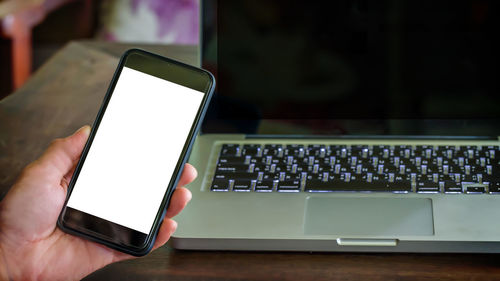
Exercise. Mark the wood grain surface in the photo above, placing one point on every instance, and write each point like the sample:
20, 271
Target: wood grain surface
66, 94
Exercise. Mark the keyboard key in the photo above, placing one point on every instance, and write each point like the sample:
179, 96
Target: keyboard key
265, 185
493, 152
362, 186
316, 185
252, 149
274, 150
446, 151
223, 167
427, 187
235, 175
336, 148
491, 178
399, 186
230, 150
317, 150
243, 185
289, 186
475, 189
343, 186
494, 187
296, 150
220, 185
357, 150
452, 187
232, 159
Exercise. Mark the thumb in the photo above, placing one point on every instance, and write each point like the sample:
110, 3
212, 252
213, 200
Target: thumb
62, 154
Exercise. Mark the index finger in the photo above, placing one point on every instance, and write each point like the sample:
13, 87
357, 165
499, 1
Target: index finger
188, 175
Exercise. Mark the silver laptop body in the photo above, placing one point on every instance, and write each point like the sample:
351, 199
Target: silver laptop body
347, 191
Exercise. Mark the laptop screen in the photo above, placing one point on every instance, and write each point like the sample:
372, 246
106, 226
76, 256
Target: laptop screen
353, 67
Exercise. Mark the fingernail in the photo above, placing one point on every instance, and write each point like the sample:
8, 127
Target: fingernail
174, 224
85, 130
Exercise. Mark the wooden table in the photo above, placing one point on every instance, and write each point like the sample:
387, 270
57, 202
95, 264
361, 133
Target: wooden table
66, 93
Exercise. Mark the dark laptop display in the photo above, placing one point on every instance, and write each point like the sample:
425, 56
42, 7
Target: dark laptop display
354, 67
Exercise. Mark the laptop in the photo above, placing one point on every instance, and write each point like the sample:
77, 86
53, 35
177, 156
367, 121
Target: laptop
348, 126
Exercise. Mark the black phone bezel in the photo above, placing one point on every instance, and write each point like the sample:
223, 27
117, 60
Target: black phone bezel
111, 234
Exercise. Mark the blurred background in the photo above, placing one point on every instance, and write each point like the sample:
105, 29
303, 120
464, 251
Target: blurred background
31, 31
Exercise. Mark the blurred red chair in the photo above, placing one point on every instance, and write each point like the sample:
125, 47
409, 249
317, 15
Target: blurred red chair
17, 20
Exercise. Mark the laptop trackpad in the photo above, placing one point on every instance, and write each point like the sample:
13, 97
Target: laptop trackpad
368, 216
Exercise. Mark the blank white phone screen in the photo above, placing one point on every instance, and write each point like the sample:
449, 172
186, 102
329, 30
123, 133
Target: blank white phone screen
135, 150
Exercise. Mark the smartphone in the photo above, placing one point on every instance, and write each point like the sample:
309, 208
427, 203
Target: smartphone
136, 150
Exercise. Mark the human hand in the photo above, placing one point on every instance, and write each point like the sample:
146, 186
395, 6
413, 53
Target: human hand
32, 246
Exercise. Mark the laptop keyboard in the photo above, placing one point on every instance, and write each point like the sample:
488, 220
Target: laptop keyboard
357, 168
